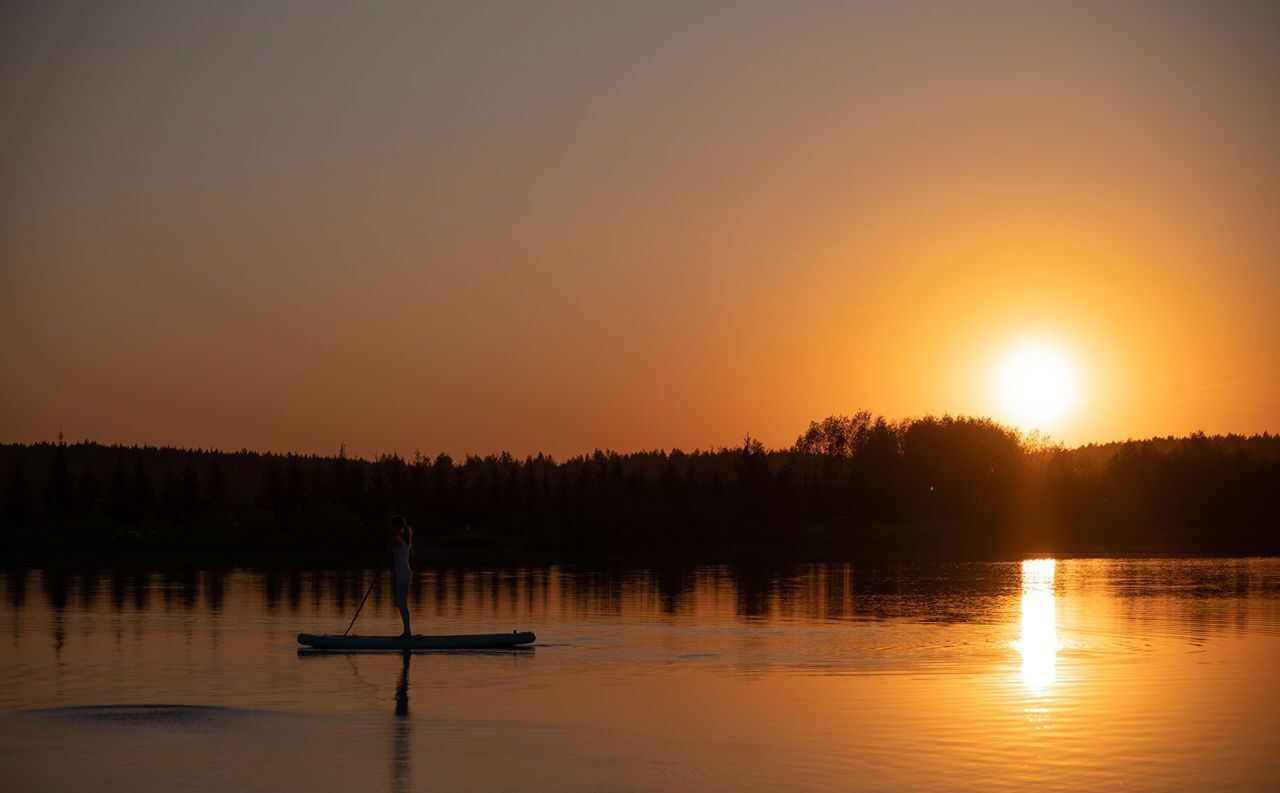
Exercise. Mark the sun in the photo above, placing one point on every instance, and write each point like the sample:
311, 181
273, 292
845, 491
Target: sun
1036, 385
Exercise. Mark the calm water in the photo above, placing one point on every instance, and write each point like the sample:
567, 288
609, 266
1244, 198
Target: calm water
1040, 675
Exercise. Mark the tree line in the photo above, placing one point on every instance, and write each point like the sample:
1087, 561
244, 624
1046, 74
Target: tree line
849, 484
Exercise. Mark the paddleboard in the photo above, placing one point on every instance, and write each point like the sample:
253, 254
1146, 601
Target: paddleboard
473, 641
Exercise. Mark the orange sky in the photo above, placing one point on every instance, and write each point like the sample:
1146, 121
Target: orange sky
568, 226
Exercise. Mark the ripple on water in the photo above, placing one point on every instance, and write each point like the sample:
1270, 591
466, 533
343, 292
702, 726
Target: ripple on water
143, 715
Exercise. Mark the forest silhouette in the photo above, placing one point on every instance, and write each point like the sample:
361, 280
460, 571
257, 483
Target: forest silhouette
944, 487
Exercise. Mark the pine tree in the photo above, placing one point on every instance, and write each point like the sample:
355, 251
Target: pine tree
88, 492
189, 491
340, 466
170, 499
215, 484
140, 492
118, 493
15, 499
269, 485
294, 485
58, 485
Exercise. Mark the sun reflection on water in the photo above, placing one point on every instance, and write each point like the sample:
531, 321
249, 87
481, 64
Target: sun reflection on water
1038, 642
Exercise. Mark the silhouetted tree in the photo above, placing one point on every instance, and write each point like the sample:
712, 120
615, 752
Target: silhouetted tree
170, 499
443, 483
58, 494
15, 510
140, 492
270, 487
293, 498
340, 466
189, 490
88, 492
215, 484
936, 485
119, 491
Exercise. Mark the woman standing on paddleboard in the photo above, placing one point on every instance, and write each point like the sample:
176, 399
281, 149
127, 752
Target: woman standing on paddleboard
402, 547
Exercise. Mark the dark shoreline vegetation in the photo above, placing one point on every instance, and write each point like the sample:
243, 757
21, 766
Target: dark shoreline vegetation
950, 487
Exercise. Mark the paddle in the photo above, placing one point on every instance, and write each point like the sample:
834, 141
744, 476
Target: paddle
376, 573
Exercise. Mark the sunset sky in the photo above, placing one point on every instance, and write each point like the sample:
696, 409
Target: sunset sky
562, 226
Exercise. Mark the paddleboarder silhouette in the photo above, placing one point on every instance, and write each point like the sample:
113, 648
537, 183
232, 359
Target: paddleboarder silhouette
402, 548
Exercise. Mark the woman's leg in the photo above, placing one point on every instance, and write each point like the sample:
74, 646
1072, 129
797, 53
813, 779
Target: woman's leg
402, 603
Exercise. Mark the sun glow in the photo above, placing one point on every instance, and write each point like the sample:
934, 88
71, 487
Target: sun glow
1036, 385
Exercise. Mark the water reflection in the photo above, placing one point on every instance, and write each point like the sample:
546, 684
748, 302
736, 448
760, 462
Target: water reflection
1038, 642
401, 740
946, 593
709, 678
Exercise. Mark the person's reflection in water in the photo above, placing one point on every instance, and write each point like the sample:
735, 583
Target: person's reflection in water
400, 743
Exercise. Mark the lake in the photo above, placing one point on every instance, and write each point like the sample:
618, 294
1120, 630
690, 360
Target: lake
1031, 675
